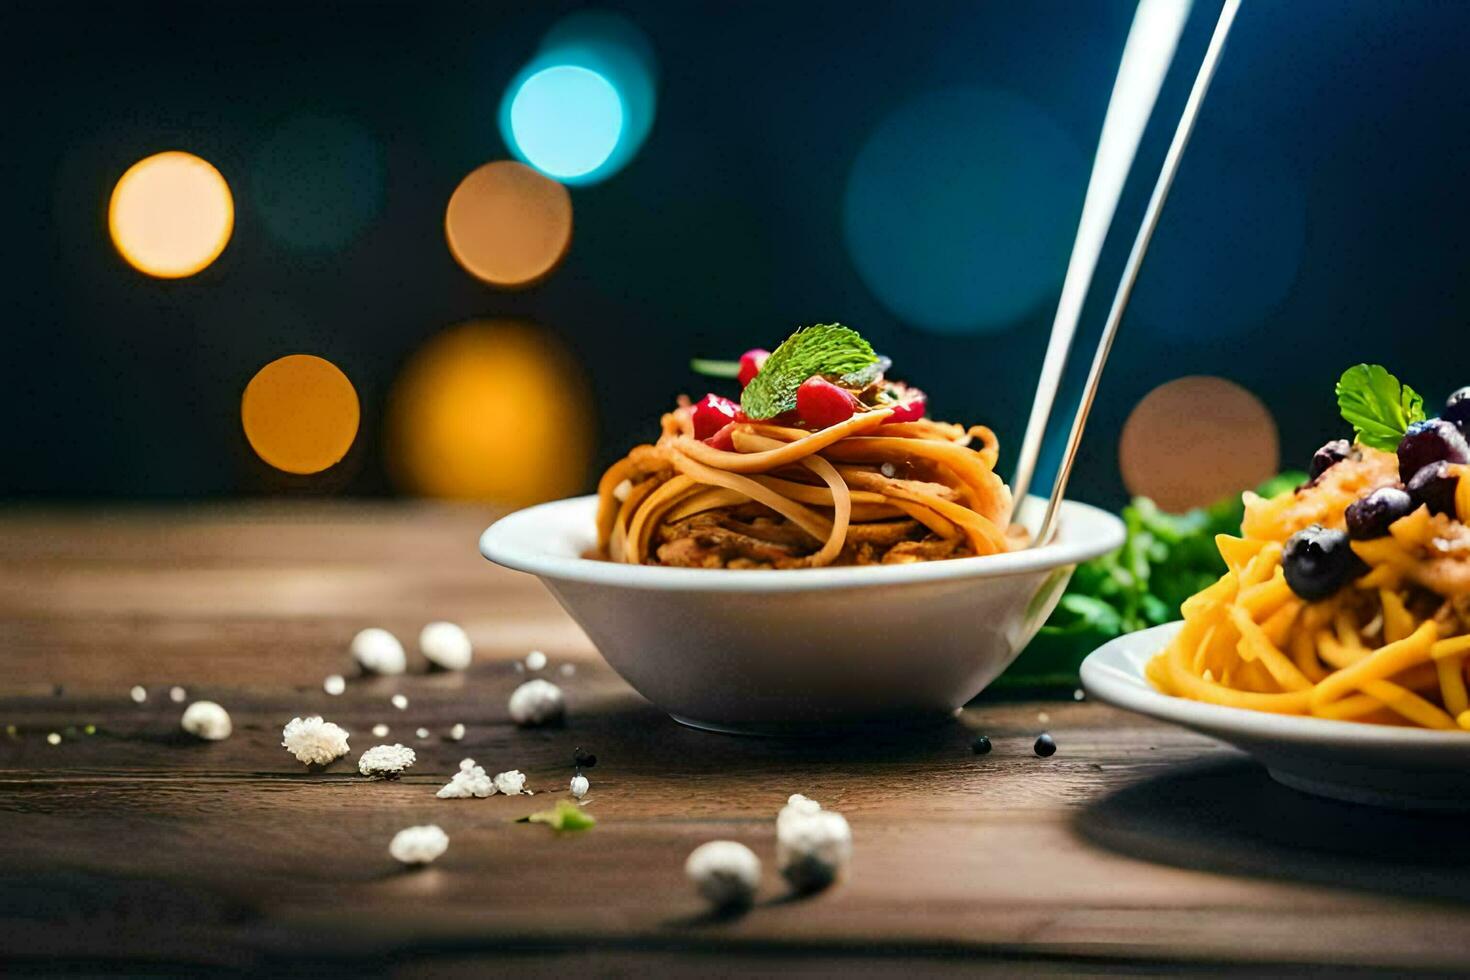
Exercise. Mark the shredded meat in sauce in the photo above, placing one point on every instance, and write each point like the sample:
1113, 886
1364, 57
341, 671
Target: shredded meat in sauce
1442, 568
729, 539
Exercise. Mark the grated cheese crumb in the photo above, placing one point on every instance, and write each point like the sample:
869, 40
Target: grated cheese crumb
335, 684
177, 695
537, 702
314, 741
54, 738
726, 873
421, 732
469, 781
457, 733
399, 701
385, 761
511, 783
446, 645
378, 651
380, 730
813, 846
207, 720
579, 786
535, 660
139, 693
418, 845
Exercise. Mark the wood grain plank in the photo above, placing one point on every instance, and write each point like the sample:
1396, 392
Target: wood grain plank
1137, 845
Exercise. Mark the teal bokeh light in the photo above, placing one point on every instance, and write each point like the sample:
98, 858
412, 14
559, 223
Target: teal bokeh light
960, 209
565, 121
582, 107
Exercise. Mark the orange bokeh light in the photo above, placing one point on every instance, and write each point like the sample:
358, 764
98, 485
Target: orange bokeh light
491, 410
508, 225
1195, 440
300, 413
171, 215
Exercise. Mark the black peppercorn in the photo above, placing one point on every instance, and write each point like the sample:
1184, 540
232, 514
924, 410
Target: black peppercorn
584, 760
981, 745
1045, 745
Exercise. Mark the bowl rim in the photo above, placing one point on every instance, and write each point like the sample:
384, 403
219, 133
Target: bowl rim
1084, 532
1114, 673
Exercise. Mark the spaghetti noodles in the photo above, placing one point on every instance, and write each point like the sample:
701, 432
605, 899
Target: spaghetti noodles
1389, 645
788, 492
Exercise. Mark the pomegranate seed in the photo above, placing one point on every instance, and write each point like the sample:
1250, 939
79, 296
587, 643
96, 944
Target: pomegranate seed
724, 439
912, 404
751, 363
711, 414
821, 403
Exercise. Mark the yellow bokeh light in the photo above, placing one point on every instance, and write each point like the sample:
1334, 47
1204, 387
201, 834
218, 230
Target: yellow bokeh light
1197, 440
508, 225
491, 410
300, 413
171, 215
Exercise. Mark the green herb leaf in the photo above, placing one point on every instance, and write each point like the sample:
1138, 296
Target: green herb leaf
715, 369
827, 349
564, 816
1378, 406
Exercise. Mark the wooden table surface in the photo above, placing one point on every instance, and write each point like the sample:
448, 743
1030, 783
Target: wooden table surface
1137, 846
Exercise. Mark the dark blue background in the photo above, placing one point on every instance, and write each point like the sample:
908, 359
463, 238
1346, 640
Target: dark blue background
1327, 175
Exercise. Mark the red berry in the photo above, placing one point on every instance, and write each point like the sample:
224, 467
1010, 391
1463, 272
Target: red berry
724, 439
820, 403
912, 404
751, 363
711, 414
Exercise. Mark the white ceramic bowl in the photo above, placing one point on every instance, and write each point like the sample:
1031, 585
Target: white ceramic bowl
1410, 768
770, 652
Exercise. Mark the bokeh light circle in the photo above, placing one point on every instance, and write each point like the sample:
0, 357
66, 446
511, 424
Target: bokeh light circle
613, 46
565, 120
1195, 440
171, 214
961, 207
1228, 248
493, 410
508, 225
317, 182
300, 413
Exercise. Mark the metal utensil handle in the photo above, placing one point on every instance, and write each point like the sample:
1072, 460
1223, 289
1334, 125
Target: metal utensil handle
1152, 39
1135, 257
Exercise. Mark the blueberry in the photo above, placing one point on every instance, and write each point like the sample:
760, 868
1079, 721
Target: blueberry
1428, 442
1318, 562
1045, 746
1370, 517
1434, 486
1457, 410
981, 745
1328, 456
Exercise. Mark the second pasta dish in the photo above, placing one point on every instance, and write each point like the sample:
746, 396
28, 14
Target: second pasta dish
1349, 597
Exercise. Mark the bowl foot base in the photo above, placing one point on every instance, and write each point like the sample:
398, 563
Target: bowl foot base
1454, 799
821, 729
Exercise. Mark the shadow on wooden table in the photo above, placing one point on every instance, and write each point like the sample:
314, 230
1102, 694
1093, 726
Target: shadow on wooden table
661, 744
1232, 817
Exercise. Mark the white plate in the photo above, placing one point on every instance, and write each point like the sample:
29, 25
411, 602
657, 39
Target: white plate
803, 649
1411, 768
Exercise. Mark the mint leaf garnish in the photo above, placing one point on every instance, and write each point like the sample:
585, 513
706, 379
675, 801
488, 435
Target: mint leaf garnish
715, 369
827, 349
565, 816
1378, 406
